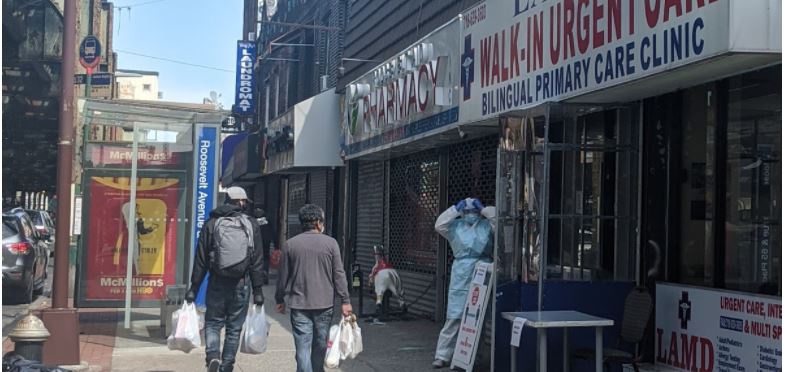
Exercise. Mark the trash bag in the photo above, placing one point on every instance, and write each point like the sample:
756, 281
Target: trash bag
255, 331
185, 329
333, 354
350, 338
13, 362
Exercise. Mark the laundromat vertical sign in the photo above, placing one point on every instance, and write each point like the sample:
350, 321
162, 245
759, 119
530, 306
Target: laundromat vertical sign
244, 95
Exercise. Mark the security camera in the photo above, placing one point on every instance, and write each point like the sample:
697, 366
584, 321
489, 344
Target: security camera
462, 134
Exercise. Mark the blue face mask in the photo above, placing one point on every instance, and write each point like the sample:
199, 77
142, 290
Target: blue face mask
471, 218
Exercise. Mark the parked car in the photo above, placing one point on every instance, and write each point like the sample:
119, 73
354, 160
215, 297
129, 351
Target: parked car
45, 226
24, 257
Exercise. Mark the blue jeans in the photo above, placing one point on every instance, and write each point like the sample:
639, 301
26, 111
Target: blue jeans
310, 330
226, 305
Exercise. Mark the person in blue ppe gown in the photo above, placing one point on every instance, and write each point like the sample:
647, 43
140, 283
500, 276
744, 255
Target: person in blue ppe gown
468, 226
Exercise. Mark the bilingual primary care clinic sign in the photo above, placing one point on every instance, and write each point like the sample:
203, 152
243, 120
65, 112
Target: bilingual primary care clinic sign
712, 330
519, 53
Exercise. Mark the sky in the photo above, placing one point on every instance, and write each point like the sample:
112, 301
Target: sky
202, 32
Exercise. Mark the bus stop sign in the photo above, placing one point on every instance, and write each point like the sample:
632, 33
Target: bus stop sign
90, 53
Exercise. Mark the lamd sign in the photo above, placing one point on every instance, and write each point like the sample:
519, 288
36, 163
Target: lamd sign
244, 97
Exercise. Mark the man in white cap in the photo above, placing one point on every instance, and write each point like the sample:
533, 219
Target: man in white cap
230, 250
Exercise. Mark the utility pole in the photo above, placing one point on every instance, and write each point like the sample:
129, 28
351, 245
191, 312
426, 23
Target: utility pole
62, 348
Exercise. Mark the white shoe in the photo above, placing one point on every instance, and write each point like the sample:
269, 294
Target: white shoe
214, 365
438, 363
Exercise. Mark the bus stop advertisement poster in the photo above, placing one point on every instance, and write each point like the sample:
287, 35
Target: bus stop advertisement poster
154, 251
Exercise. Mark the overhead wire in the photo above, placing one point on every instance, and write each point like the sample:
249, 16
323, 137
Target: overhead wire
175, 61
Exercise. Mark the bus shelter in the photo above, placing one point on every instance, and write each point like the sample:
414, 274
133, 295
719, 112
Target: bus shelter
149, 179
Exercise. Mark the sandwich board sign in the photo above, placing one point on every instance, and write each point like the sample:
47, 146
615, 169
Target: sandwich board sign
469, 337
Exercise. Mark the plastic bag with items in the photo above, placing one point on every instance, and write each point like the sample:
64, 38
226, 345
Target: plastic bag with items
334, 353
350, 338
185, 329
255, 331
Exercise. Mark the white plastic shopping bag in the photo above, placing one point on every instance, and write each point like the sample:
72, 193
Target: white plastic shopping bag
185, 329
333, 355
358, 347
345, 338
255, 331
350, 337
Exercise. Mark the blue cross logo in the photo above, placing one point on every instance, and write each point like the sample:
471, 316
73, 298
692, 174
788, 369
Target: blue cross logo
467, 66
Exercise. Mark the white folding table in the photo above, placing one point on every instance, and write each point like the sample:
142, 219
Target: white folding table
542, 320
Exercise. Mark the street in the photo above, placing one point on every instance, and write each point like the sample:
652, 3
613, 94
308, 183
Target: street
12, 313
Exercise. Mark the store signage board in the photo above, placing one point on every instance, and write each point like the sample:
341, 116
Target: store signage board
475, 308
244, 97
713, 330
411, 94
520, 53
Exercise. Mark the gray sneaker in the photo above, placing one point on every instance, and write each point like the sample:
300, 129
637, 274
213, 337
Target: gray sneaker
214, 365
438, 363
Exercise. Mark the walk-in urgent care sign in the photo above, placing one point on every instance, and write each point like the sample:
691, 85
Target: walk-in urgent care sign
519, 53
708, 330
244, 95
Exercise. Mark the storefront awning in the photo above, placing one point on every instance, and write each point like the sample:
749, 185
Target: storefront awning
247, 158
228, 147
307, 136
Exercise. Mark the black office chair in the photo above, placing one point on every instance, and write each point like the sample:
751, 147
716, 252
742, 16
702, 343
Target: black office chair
636, 314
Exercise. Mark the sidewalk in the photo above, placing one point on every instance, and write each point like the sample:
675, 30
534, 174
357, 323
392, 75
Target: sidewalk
394, 346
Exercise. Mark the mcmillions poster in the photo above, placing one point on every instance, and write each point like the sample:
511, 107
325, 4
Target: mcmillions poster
156, 222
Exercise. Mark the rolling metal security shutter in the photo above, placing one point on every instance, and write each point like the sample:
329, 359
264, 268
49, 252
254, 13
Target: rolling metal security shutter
369, 214
321, 189
413, 207
471, 173
297, 198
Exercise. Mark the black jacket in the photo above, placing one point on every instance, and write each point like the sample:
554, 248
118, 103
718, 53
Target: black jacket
206, 241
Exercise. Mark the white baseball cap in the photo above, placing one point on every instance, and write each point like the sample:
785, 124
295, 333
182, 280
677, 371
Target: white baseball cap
236, 193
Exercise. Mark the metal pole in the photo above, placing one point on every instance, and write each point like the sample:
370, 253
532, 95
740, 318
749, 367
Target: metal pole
88, 93
65, 149
132, 233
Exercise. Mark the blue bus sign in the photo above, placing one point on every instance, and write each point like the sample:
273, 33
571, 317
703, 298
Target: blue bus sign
90, 52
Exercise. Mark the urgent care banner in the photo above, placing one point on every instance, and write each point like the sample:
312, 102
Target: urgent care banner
520, 53
154, 253
707, 330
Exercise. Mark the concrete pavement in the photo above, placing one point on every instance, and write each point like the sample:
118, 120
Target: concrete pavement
393, 346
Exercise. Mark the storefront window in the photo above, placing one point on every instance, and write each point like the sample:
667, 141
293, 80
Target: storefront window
728, 177
753, 182
697, 190
591, 213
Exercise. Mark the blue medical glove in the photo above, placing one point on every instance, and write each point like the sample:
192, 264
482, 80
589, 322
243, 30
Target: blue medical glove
477, 204
460, 205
